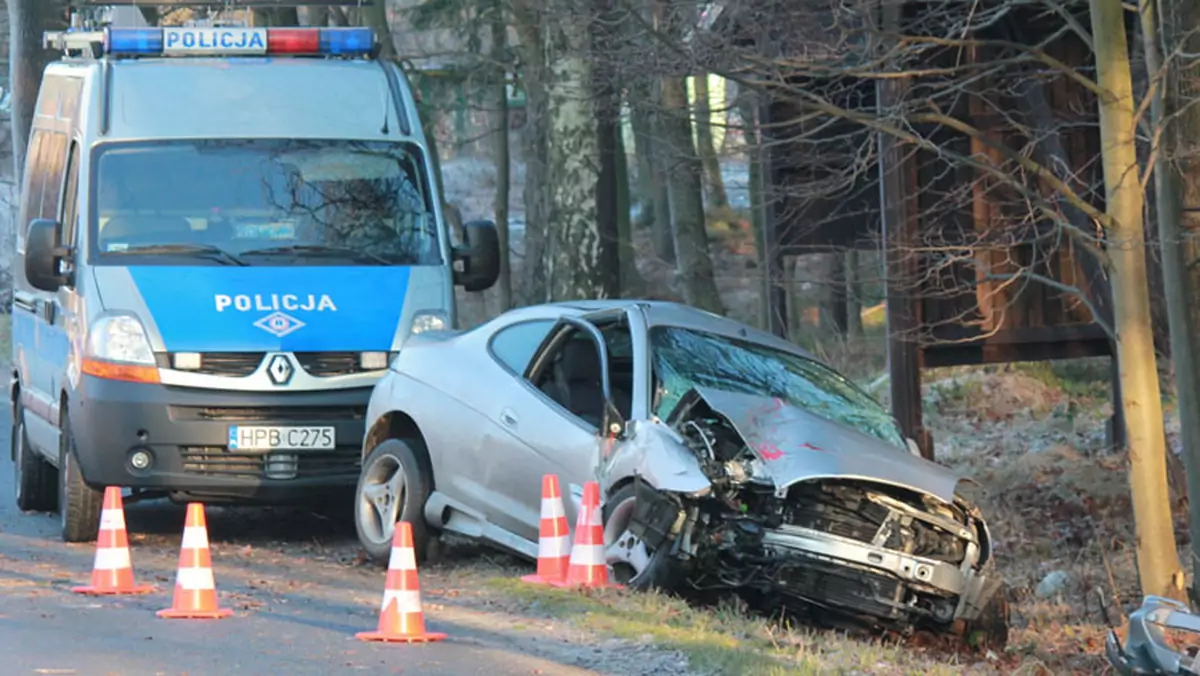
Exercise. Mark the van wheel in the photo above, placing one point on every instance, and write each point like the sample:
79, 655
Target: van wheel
34, 481
78, 504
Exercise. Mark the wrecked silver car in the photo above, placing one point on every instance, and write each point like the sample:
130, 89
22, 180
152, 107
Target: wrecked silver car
729, 460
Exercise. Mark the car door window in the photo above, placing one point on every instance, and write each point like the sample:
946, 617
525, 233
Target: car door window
571, 376
515, 345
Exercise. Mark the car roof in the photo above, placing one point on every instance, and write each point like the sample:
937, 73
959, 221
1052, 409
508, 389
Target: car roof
664, 313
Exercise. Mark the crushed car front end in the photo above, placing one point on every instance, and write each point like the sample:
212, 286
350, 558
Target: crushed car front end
815, 518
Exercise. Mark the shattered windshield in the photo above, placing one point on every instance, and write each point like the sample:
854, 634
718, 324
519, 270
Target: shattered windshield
683, 359
263, 202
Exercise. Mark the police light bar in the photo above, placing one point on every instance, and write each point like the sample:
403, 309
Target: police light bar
237, 41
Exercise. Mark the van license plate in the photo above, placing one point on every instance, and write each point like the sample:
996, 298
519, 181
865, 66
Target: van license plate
244, 438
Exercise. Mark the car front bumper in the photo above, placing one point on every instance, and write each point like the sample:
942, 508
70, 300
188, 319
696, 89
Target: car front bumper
883, 571
186, 432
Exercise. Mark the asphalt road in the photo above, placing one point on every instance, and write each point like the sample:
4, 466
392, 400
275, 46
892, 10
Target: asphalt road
292, 579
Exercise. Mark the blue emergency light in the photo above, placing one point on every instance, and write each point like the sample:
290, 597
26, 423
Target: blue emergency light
238, 41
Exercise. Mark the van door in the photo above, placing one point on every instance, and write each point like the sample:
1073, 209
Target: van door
42, 349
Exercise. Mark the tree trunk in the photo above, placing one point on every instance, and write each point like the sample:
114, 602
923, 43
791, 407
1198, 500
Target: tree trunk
284, 16
663, 229
501, 155
747, 110
561, 128
605, 86
375, 16
639, 119
714, 183
533, 288
854, 325
693, 261
317, 16
1185, 342
1157, 558
28, 19
833, 306
632, 284
6, 147
1181, 21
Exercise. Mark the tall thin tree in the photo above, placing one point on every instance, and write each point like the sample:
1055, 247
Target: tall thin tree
1157, 557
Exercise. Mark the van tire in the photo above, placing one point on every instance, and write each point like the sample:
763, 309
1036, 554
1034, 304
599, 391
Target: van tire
78, 503
34, 480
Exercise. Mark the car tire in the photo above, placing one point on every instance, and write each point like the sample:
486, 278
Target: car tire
34, 481
78, 503
661, 572
374, 532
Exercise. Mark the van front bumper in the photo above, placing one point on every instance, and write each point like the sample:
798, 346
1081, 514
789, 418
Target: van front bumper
186, 433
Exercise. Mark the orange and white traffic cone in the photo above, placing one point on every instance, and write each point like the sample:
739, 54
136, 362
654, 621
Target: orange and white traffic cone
401, 619
588, 567
112, 570
195, 588
554, 539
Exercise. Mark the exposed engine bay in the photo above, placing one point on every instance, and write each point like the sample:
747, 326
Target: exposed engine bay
834, 548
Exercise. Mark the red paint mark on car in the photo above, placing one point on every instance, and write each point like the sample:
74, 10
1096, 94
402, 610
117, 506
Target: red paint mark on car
769, 451
813, 448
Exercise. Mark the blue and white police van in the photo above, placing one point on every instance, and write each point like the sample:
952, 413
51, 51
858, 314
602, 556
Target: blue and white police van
224, 236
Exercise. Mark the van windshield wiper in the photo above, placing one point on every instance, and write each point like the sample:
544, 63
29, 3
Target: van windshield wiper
207, 250
318, 250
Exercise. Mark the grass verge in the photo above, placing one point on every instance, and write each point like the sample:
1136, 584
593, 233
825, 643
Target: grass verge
725, 640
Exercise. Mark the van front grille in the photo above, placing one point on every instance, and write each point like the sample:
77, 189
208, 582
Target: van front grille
325, 364
219, 461
228, 364
302, 414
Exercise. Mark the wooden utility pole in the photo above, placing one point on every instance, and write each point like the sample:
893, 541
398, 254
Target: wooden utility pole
1157, 558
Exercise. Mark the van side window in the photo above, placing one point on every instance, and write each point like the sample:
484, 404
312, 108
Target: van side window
70, 201
34, 180
56, 159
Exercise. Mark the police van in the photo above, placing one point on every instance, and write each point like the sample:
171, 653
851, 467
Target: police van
226, 234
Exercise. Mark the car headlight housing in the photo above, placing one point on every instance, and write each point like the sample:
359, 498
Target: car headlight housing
119, 339
428, 320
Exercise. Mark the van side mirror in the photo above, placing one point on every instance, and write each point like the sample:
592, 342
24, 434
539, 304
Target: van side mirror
480, 255
43, 255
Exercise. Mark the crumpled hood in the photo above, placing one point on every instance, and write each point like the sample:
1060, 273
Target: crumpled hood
795, 445
259, 308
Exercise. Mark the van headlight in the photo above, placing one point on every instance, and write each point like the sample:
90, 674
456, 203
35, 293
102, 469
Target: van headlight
118, 349
120, 339
428, 320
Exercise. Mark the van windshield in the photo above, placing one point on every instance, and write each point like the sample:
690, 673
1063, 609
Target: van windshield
263, 202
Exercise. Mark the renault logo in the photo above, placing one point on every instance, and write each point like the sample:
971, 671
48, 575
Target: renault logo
280, 370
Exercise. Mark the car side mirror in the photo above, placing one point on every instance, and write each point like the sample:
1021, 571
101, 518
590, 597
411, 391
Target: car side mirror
614, 423
43, 255
480, 254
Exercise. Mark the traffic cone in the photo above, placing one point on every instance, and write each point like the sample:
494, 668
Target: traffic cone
195, 589
588, 567
401, 619
112, 570
554, 539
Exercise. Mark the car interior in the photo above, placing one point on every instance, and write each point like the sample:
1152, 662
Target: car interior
573, 379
